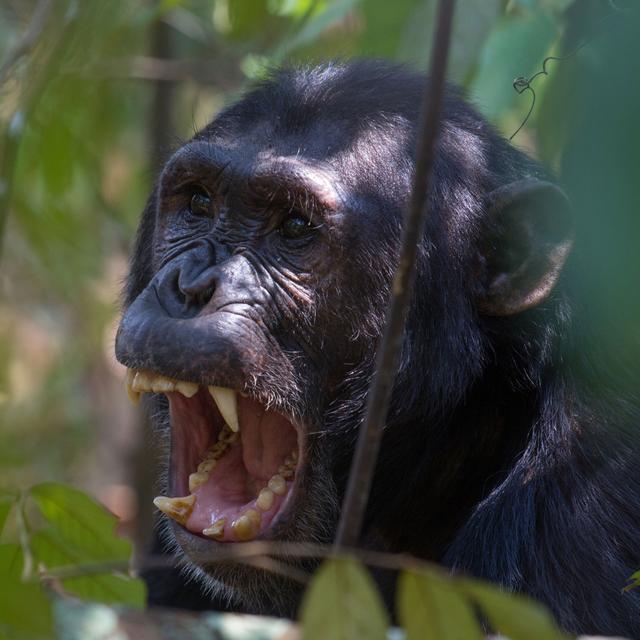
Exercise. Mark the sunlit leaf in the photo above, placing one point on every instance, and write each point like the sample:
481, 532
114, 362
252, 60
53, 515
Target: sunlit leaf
25, 610
342, 603
296, 8
514, 616
430, 608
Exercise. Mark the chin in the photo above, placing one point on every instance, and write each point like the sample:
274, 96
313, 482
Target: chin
237, 471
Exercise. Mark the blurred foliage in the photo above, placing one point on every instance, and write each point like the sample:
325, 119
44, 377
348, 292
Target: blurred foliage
342, 602
77, 160
78, 155
56, 529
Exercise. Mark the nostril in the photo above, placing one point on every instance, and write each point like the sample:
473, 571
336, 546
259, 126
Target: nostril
198, 289
197, 297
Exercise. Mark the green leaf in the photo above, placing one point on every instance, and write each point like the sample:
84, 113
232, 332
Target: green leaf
634, 582
512, 615
25, 611
429, 607
50, 550
342, 603
83, 524
516, 47
388, 28
81, 532
314, 27
7, 500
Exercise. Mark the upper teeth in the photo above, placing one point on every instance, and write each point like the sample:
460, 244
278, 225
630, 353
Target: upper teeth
144, 381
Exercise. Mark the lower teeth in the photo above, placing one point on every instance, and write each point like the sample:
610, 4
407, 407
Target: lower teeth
247, 525
265, 499
177, 508
216, 530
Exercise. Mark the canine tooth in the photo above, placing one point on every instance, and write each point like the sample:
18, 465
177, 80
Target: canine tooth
141, 382
177, 508
247, 526
187, 389
134, 396
197, 479
216, 530
265, 499
207, 466
227, 402
162, 385
277, 485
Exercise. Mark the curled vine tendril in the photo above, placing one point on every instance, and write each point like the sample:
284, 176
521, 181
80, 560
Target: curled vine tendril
522, 83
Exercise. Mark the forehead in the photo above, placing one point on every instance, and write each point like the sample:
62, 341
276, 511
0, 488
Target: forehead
359, 153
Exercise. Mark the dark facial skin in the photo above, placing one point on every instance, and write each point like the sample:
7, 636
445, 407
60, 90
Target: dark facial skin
264, 263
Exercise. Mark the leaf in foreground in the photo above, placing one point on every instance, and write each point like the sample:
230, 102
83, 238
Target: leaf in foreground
7, 500
342, 603
25, 610
511, 615
111, 588
430, 608
81, 532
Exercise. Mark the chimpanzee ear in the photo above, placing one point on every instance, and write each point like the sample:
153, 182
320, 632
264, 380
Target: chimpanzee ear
527, 237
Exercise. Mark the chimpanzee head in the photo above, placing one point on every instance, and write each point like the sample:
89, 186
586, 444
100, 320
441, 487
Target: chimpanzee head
258, 291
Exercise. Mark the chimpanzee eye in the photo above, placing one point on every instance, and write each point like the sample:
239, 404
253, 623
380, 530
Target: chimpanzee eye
200, 204
295, 227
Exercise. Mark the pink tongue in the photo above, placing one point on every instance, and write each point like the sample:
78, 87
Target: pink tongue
267, 439
243, 470
227, 494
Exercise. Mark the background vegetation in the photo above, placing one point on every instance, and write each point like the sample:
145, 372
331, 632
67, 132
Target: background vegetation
93, 95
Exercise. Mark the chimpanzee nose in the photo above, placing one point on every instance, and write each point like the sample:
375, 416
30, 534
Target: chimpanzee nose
198, 286
196, 276
209, 288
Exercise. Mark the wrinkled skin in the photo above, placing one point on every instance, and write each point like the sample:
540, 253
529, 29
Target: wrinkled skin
274, 280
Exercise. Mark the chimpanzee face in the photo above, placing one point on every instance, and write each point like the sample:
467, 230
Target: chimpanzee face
256, 303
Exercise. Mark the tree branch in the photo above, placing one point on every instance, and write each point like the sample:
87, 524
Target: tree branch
366, 455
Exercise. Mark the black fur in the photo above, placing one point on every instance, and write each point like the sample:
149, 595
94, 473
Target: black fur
501, 457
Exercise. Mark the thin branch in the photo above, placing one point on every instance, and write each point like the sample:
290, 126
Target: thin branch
259, 549
364, 461
157, 69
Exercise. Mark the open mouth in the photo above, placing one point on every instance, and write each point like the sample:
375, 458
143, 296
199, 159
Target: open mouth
233, 461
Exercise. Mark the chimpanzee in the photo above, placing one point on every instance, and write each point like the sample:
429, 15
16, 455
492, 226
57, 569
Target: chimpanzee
255, 303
